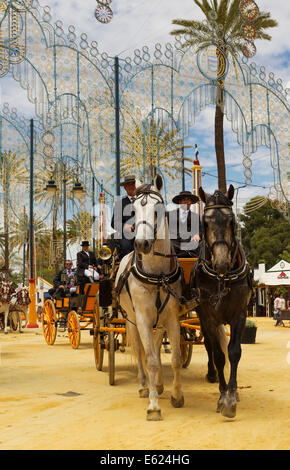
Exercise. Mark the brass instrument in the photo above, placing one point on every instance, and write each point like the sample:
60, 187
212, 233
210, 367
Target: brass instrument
105, 253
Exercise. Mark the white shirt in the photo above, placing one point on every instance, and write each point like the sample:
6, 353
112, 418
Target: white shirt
183, 214
279, 303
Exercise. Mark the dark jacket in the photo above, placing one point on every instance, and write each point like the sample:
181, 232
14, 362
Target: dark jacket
123, 213
84, 260
61, 279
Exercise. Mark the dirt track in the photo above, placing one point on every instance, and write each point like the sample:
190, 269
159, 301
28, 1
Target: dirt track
37, 412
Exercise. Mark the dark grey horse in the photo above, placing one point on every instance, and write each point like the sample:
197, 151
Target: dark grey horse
225, 281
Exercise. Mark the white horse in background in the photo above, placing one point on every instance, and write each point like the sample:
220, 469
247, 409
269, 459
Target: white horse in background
19, 304
6, 292
149, 283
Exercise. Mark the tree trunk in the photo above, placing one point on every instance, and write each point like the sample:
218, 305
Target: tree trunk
6, 216
219, 139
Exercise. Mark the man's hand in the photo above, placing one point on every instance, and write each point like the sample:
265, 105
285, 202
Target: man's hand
128, 228
196, 238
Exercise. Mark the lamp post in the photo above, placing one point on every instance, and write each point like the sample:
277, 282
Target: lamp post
77, 190
32, 317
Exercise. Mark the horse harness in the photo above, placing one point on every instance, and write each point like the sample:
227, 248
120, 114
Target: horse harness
233, 275
160, 281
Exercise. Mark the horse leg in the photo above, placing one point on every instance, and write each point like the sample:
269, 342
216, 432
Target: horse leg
235, 353
144, 326
158, 337
133, 334
6, 313
20, 321
211, 375
219, 360
173, 329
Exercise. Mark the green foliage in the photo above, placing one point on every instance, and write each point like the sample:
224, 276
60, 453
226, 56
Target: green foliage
250, 323
265, 236
228, 18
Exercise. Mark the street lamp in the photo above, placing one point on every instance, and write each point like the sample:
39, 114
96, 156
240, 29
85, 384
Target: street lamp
78, 190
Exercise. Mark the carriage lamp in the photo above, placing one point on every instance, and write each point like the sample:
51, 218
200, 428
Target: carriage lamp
78, 190
51, 187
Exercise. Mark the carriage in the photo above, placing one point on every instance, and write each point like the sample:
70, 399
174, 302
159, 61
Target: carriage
73, 313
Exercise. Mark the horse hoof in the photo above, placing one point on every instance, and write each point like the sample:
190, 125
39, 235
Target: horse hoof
154, 415
177, 403
229, 409
221, 404
160, 389
229, 412
211, 378
6, 332
144, 393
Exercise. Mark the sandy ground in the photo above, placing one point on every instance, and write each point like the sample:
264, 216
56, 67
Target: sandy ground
37, 412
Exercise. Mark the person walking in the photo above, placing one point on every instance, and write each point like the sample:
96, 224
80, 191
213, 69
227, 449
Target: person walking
279, 304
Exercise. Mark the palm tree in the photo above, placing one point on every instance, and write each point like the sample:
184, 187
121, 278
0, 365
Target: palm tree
150, 145
79, 227
12, 173
228, 23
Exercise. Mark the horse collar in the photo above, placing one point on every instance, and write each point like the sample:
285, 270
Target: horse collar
154, 279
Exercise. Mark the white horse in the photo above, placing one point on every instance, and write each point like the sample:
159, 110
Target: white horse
6, 291
149, 284
19, 304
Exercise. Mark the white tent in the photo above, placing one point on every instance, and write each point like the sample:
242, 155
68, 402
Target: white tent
278, 275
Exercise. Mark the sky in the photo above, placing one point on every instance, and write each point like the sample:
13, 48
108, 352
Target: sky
136, 23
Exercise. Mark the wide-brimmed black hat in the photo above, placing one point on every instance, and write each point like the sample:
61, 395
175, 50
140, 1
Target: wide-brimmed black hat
182, 194
85, 243
128, 179
4, 268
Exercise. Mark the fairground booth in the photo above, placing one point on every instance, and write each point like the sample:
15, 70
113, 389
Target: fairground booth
269, 285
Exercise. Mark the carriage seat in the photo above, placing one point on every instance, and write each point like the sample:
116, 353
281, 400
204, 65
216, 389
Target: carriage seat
88, 300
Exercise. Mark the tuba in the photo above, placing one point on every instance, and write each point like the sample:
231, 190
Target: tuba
105, 253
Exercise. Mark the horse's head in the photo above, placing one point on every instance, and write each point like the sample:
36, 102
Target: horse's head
149, 214
6, 291
23, 295
219, 228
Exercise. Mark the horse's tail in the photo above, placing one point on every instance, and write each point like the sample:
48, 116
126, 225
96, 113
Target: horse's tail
224, 341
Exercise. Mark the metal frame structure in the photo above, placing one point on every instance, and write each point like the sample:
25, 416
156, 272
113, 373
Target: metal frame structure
172, 85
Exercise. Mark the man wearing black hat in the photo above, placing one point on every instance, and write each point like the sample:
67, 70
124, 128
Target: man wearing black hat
123, 217
4, 274
184, 226
87, 265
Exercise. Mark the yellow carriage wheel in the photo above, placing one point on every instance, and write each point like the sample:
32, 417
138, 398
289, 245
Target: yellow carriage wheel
98, 350
49, 322
74, 330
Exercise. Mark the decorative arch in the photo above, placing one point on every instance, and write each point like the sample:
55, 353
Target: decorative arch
172, 83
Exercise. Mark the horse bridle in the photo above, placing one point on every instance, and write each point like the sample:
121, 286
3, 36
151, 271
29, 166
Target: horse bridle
219, 240
143, 193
